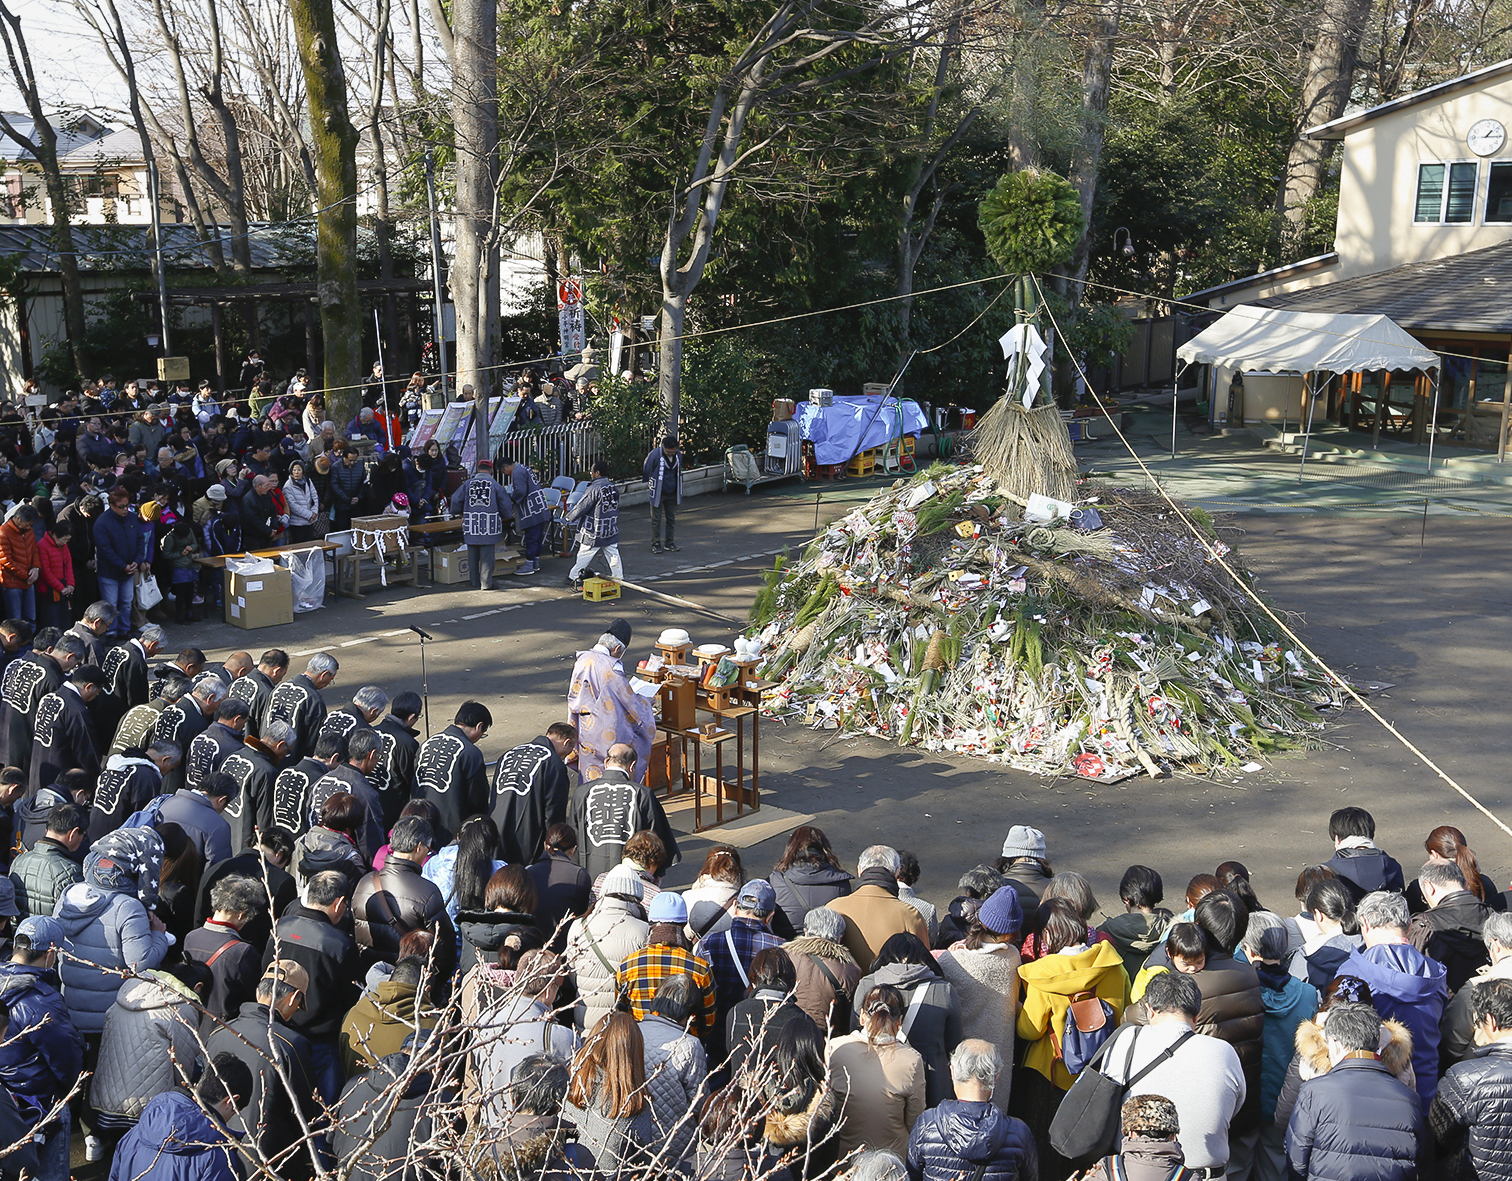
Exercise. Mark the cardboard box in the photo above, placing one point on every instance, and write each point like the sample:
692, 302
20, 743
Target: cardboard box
783, 409
450, 566
259, 600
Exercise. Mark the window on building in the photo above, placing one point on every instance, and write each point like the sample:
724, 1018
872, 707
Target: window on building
1499, 193
1446, 193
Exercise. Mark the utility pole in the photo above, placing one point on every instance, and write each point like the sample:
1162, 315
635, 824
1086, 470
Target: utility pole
438, 319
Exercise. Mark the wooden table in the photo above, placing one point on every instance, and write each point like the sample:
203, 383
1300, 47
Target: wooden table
218, 562
723, 790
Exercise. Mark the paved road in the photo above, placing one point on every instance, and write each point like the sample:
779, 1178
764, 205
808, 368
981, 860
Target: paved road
1435, 624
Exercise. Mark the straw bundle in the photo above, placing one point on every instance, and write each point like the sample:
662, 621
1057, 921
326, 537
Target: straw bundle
1027, 451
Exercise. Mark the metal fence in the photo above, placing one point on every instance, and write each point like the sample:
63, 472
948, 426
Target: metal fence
567, 449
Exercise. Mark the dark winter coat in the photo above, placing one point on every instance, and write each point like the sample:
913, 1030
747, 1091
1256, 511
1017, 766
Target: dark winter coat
291, 795
1408, 986
126, 684
1366, 869
803, 888
935, 1028
118, 543
26, 682
175, 1141
207, 752
254, 690
483, 932
323, 849
1471, 1116
1355, 1123
1451, 934
235, 968
608, 811
43, 1054
396, 899
394, 776
378, 1132
207, 828
563, 889
62, 738
249, 863
531, 792
451, 774
329, 955
955, 1139
41, 875
297, 702
180, 723
271, 1116
109, 932
345, 777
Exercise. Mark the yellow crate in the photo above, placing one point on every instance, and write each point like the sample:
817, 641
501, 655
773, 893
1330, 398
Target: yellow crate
597, 590
908, 444
863, 464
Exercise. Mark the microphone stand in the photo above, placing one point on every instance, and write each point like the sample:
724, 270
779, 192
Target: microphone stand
424, 680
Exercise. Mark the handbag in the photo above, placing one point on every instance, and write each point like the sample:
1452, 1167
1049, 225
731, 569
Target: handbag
1086, 1125
148, 593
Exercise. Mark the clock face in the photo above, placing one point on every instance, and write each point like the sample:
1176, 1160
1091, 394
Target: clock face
1486, 137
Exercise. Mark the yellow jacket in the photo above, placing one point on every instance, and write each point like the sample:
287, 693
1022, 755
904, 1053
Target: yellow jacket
1049, 984
1142, 981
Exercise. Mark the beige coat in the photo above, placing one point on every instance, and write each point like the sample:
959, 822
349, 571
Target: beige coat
881, 1091
872, 916
814, 992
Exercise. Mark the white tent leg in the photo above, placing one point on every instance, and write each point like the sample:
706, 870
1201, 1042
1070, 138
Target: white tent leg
1433, 420
1307, 431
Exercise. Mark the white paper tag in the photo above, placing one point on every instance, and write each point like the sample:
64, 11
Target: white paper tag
235, 611
254, 586
240, 601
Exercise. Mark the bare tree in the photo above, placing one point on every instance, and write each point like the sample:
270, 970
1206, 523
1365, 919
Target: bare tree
42, 145
335, 143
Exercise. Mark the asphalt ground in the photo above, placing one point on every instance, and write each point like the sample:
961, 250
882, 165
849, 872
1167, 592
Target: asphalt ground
1377, 595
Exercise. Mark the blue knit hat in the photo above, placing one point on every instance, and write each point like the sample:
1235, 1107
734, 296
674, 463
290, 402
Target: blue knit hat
1001, 914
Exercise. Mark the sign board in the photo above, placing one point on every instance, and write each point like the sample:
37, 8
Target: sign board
453, 419
569, 292
469, 450
573, 329
173, 368
429, 421
616, 350
499, 427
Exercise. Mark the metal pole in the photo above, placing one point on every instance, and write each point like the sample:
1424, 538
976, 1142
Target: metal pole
383, 379
1433, 421
1307, 432
157, 245
424, 680
1175, 385
438, 320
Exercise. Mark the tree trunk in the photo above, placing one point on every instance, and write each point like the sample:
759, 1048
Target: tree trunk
383, 223
475, 272
335, 143
43, 146
1326, 84
1097, 76
1023, 103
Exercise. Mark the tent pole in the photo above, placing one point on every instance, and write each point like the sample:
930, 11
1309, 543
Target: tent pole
1433, 420
1175, 385
1307, 431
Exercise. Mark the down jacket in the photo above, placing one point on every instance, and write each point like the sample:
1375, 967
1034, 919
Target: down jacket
1471, 1116
1311, 1060
394, 900
956, 1138
150, 1026
676, 1067
42, 1056
1355, 1123
303, 502
596, 945
110, 932
175, 1141
801, 889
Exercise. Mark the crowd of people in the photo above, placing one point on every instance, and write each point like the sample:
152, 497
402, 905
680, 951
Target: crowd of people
254, 925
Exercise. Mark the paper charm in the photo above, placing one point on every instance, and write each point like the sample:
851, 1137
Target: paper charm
1025, 339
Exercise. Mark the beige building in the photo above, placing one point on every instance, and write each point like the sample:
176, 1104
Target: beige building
1424, 236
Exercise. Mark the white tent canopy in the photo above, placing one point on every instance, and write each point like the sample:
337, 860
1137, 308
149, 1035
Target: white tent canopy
1273, 340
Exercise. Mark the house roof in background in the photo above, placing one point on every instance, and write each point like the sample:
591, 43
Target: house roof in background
1469, 292
73, 134
125, 247
122, 146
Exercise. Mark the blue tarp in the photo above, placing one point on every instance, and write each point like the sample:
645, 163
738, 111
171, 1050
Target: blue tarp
836, 431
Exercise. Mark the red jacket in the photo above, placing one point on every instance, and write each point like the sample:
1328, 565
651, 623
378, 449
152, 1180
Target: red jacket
56, 564
18, 555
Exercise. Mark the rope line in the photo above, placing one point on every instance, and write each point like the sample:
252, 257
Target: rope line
1215, 556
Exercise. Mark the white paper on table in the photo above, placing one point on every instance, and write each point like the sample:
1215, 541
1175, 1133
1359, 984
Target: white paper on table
644, 688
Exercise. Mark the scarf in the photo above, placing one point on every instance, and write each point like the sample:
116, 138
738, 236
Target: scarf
1273, 976
670, 935
877, 876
